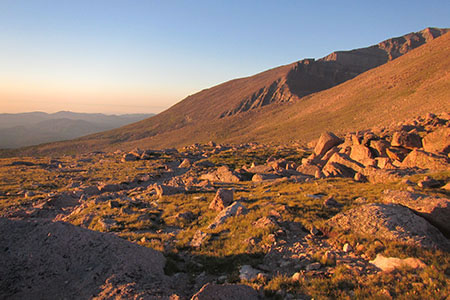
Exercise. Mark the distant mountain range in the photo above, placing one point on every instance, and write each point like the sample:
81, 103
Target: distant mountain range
25, 129
345, 91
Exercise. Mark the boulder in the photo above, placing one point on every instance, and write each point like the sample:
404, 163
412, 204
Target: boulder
397, 153
222, 199
222, 174
130, 157
330, 202
199, 239
361, 154
326, 141
388, 264
345, 160
437, 141
435, 209
332, 169
57, 260
409, 140
308, 169
379, 147
390, 222
262, 177
186, 163
425, 160
211, 291
235, 209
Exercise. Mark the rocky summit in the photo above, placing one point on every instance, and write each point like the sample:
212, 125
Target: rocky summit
355, 215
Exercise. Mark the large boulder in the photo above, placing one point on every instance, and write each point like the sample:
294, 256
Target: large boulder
362, 154
326, 141
379, 147
222, 174
425, 160
409, 140
390, 222
345, 160
435, 209
332, 169
222, 199
211, 291
437, 141
56, 260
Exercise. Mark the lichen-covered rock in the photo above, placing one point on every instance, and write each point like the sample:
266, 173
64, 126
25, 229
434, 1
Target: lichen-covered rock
390, 222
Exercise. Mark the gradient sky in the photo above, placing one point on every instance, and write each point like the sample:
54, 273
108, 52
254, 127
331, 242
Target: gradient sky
134, 56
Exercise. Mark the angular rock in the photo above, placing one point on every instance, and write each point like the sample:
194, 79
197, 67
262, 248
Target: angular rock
391, 222
326, 141
437, 141
428, 182
222, 199
435, 209
211, 291
379, 147
361, 154
388, 264
332, 169
331, 203
262, 177
308, 169
130, 157
345, 160
186, 163
235, 209
409, 140
199, 239
166, 190
222, 174
396, 153
424, 160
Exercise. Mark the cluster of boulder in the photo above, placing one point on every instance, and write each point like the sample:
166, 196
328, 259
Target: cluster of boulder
423, 143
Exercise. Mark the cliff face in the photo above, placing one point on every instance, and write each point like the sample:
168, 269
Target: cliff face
309, 76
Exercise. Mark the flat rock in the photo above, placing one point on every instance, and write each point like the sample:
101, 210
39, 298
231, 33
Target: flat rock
425, 160
72, 262
390, 222
235, 209
435, 209
388, 264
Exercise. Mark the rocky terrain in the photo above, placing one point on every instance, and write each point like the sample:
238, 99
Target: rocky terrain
357, 215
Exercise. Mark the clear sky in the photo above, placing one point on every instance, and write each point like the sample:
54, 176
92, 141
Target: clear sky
141, 56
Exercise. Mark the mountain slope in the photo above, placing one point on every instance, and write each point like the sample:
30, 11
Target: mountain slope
415, 83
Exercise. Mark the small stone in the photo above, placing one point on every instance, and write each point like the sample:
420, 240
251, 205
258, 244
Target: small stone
347, 247
296, 277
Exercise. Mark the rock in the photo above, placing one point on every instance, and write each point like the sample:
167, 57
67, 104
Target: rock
199, 239
313, 266
234, 210
297, 277
326, 141
330, 202
428, 182
424, 160
222, 174
435, 209
184, 216
409, 140
315, 232
383, 163
360, 177
248, 273
396, 153
446, 186
211, 291
186, 163
391, 222
130, 157
107, 224
308, 169
379, 147
345, 160
388, 264
361, 154
265, 222
71, 262
347, 248
437, 141
166, 190
222, 199
332, 169
262, 177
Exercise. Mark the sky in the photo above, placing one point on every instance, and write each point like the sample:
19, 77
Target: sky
142, 56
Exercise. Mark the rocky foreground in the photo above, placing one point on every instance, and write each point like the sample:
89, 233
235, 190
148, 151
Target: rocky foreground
358, 216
